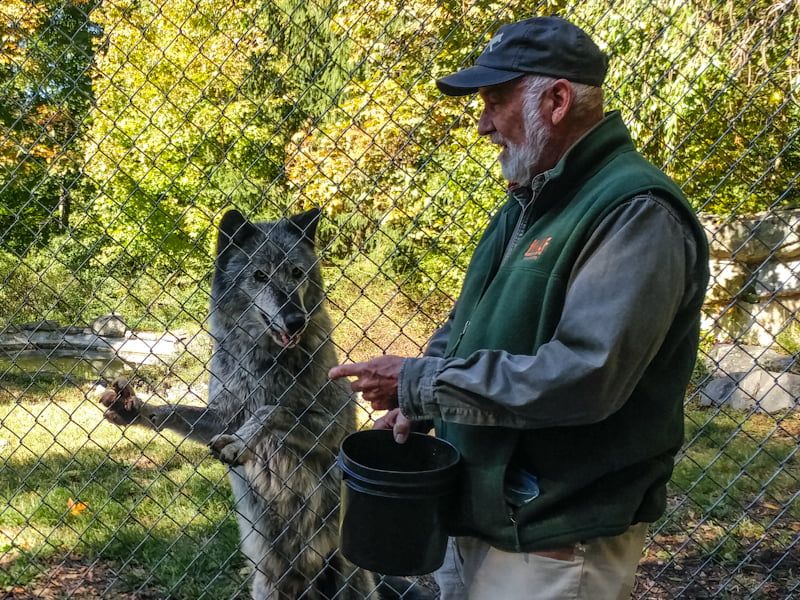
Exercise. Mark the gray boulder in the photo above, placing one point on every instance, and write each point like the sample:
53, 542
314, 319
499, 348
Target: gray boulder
45, 325
769, 234
758, 389
110, 325
729, 359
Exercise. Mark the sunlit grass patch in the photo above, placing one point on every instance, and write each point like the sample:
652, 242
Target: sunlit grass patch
73, 483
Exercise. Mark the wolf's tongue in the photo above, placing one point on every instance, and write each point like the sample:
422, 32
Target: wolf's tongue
285, 339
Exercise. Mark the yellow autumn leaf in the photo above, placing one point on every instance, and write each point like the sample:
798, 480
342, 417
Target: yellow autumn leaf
76, 508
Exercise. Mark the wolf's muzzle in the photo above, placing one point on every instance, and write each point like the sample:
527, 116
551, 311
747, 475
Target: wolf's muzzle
294, 322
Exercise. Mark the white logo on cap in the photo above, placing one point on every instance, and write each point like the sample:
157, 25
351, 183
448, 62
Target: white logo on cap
494, 41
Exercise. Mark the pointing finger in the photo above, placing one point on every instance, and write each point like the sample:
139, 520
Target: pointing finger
345, 370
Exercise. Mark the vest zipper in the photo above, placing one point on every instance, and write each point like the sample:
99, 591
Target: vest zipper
511, 518
522, 223
516, 236
460, 335
519, 231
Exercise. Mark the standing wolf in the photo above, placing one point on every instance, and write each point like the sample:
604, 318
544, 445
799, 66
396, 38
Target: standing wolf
273, 415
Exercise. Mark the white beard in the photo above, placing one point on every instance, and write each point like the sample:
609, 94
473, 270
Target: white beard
518, 163
515, 163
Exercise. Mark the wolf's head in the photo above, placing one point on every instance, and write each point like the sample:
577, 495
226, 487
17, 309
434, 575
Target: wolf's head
267, 275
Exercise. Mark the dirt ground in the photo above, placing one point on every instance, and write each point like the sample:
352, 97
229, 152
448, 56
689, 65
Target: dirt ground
767, 577
74, 579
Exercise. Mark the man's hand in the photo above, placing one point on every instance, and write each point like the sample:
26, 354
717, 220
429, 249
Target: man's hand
397, 422
376, 379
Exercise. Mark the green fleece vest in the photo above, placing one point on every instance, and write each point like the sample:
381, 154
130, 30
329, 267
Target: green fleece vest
595, 480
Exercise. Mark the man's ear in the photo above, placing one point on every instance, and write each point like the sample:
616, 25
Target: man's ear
557, 101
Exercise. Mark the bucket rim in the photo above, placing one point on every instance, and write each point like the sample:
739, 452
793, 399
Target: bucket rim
344, 458
398, 492
444, 475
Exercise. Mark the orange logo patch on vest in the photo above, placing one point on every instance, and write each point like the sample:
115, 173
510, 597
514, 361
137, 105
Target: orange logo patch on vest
536, 248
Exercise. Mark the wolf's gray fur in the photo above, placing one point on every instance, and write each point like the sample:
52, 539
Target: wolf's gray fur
273, 414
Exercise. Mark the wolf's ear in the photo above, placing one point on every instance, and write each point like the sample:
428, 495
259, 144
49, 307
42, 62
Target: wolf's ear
306, 223
233, 229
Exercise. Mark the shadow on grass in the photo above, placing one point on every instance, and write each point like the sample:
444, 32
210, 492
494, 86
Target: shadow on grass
159, 527
732, 528
119, 517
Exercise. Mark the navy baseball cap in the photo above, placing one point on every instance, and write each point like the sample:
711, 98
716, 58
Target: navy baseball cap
549, 46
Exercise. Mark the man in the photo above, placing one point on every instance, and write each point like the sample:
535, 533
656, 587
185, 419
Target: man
560, 373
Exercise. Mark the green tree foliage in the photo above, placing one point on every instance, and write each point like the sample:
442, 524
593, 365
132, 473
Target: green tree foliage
393, 164
275, 105
196, 100
709, 90
45, 92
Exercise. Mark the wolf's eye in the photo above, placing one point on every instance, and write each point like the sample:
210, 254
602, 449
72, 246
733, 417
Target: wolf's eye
259, 275
297, 272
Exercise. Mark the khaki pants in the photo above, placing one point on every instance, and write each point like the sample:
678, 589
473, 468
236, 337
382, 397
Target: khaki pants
600, 569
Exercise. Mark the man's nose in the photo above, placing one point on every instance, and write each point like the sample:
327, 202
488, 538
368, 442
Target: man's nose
485, 124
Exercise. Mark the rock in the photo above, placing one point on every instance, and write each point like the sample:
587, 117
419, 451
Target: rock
729, 359
753, 282
773, 234
772, 392
718, 391
726, 276
46, 325
763, 390
76, 330
776, 277
110, 325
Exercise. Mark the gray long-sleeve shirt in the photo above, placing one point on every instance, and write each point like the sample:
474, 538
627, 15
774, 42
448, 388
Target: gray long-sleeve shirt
630, 280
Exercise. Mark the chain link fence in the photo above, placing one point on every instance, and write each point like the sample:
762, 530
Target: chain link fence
130, 126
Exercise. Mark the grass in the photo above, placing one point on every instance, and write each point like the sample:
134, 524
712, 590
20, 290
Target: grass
156, 508
154, 513
735, 458
734, 492
159, 510
73, 484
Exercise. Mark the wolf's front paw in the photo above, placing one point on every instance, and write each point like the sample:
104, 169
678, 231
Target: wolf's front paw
230, 449
121, 403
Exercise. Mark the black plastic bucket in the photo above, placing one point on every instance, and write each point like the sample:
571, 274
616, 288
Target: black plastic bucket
395, 498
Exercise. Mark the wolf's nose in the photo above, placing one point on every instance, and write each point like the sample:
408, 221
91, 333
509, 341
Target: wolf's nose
295, 322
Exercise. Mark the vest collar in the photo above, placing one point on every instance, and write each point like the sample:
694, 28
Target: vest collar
524, 194
585, 157
594, 149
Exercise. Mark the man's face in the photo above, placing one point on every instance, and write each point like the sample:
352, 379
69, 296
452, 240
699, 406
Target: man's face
518, 129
